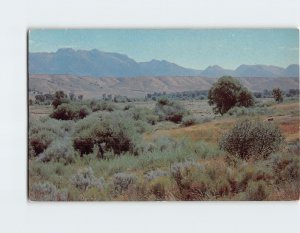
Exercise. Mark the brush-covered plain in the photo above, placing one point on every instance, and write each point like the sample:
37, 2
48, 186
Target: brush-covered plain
95, 150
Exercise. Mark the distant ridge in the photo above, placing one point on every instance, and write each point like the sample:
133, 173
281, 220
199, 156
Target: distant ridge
95, 63
92, 87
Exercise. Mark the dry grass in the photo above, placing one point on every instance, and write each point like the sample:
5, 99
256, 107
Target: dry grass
208, 132
37, 111
286, 106
287, 192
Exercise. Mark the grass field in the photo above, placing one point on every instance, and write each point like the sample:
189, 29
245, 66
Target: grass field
174, 162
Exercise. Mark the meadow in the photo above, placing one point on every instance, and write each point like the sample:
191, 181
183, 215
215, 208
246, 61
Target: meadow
95, 150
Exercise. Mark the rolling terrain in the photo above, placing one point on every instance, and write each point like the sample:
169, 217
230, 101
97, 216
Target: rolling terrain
92, 87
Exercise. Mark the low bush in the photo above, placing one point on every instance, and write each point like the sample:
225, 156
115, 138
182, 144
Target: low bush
294, 149
85, 179
70, 112
122, 181
286, 167
257, 191
170, 110
59, 151
47, 192
44, 131
39, 141
103, 106
189, 121
249, 173
151, 175
191, 180
115, 132
142, 114
249, 139
159, 187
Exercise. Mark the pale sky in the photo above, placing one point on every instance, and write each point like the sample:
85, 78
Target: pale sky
191, 48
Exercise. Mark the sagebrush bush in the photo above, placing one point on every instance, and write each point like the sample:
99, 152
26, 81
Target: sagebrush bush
159, 187
142, 114
122, 181
170, 110
294, 149
60, 150
286, 167
248, 139
114, 132
40, 141
47, 192
44, 131
85, 179
189, 121
193, 120
102, 105
151, 175
179, 170
249, 173
70, 112
191, 180
257, 191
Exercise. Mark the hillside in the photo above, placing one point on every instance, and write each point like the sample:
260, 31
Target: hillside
139, 86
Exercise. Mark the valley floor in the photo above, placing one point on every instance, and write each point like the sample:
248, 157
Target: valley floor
179, 163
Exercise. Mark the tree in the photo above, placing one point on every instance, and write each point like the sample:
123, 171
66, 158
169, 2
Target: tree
277, 94
227, 93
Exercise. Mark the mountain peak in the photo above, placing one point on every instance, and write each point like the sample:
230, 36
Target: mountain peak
65, 50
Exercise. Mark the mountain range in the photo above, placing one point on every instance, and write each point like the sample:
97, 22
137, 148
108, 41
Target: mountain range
95, 63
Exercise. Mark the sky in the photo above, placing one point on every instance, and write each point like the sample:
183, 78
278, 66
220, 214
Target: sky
191, 48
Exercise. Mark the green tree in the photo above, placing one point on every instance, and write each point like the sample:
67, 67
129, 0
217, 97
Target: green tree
277, 94
226, 93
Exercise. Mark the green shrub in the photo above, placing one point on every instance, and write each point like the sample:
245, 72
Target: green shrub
59, 150
103, 106
252, 173
170, 110
151, 175
70, 112
249, 139
39, 141
257, 191
294, 149
286, 167
159, 187
189, 121
47, 192
42, 132
191, 179
115, 132
85, 179
142, 114
122, 181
